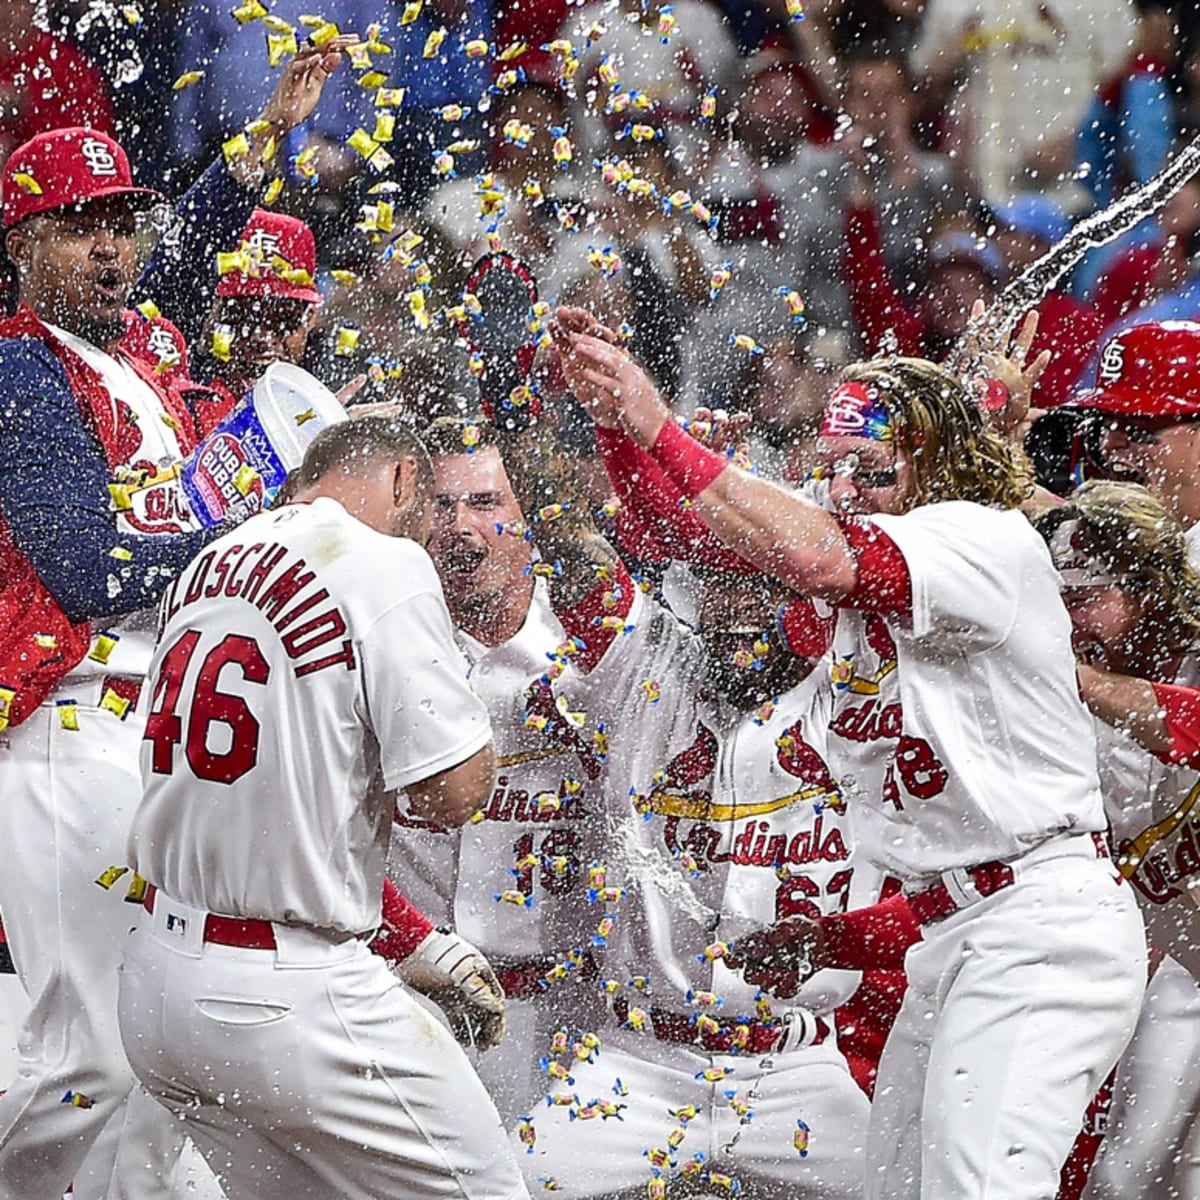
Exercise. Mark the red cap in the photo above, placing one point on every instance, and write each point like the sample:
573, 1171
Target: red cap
283, 260
1150, 370
66, 167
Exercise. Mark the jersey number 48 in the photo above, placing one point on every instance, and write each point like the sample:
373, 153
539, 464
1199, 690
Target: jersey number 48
206, 706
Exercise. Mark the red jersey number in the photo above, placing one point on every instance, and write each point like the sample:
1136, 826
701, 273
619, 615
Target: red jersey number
920, 770
209, 706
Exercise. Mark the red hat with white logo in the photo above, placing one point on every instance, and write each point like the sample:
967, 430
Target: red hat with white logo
277, 257
1150, 370
66, 167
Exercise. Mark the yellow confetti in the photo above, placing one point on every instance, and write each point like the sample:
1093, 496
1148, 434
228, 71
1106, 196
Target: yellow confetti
245, 479
251, 10
511, 52
372, 80
110, 876
279, 46
347, 341
186, 80
149, 310
113, 703
103, 647
344, 277
385, 127
416, 306
46, 641
324, 33
232, 261
433, 43
7, 696
237, 146
222, 342
309, 414
277, 24
390, 97
273, 190
412, 10
31, 185
476, 48
121, 553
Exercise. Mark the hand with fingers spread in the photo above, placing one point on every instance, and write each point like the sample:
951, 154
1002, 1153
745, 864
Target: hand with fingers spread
780, 958
1008, 367
606, 379
301, 83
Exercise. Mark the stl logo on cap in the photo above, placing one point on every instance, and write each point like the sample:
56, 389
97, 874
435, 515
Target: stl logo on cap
1112, 361
99, 157
262, 243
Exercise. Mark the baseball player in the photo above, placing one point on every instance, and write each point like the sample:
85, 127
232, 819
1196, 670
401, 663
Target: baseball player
287, 704
963, 748
1148, 394
93, 527
1133, 596
714, 736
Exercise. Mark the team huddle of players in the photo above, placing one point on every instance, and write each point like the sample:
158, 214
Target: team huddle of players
704, 797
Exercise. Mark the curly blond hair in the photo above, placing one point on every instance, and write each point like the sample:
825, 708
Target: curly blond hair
955, 454
1133, 538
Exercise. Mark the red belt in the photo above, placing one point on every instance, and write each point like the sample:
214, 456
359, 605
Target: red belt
936, 902
247, 933
733, 1037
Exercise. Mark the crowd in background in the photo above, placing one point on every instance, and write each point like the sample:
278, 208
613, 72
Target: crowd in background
886, 160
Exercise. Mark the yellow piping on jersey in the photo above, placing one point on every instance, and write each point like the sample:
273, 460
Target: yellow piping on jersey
668, 804
524, 756
1139, 847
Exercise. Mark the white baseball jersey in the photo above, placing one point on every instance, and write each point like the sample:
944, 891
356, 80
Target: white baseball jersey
527, 846
1154, 811
959, 737
306, 668
531, 841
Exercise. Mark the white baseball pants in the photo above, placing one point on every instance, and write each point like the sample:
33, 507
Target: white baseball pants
66, 800
604, 1157
307, 1071
1017, 1008
1156, 1099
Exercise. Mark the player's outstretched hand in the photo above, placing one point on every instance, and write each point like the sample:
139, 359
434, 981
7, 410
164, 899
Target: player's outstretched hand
781, 957
461, 982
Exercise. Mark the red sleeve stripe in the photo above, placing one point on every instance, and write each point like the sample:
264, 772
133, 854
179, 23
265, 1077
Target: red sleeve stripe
884, 585
1181, 708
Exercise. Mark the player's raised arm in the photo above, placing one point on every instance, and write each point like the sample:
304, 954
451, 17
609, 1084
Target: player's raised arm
803, 544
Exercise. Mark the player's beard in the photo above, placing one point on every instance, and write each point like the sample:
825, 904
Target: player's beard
747, 687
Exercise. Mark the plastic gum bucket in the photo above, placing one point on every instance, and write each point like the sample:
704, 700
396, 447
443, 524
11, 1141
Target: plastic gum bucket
240, 466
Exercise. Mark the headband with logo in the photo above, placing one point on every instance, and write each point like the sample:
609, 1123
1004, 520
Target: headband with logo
855, 410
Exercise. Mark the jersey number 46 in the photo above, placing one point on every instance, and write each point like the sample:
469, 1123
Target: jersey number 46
206, 706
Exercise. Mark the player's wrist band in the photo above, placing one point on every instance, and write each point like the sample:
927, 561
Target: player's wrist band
691, 466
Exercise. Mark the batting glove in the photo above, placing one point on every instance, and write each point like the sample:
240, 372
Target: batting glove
461, 982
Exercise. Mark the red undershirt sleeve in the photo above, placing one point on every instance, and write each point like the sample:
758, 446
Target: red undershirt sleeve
403, 928
1181, 709
585, 620
875, 938
884, 585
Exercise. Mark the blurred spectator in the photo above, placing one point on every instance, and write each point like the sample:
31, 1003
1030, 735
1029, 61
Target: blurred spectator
785, 392
45, 83
1127, 131
672, 71
234, 59
1016, 77
962, 268
1026, 228
890, 26
137, 61
1145, 270
529, 225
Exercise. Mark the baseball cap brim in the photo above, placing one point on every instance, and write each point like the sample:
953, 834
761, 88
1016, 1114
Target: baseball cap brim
1134, 402
237, 284
139, 198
